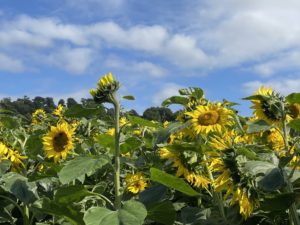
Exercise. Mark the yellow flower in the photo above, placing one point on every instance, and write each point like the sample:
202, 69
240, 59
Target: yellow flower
135, 183
275, 140
59, 141
212, 117
3, 150
111, 131
137, 132
193, 178
58, 111
124, 121
246, 205
164, 153
16, 159
268, 109
105, 87
294, 110
38, 116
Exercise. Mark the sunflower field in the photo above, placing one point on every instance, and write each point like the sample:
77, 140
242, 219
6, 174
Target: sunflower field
209, 167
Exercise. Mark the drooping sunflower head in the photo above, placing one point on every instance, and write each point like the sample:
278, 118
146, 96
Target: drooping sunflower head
136, 183
58, 142
38, 116
106, 86
268, 106
294, 110
212, 117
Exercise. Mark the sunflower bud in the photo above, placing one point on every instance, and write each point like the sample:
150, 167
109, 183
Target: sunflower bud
106, 86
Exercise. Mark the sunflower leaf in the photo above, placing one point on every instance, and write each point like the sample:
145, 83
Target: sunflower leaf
172, 182
132, 213
295, 124
81, 166
257, 126
293, 98
175, 100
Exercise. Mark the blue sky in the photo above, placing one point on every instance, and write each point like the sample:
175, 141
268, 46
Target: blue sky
229, 48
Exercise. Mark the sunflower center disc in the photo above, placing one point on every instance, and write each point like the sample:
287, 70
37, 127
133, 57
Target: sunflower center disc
60, 141
208, 118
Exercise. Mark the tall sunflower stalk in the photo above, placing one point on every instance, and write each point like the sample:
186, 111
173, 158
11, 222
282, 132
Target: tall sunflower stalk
106, 92
289, 188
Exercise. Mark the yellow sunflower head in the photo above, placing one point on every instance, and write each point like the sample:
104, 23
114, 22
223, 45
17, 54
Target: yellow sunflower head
212, 117
38, 116
58, 142
268, 107
136, 183
59, 110
275, 140
106, 86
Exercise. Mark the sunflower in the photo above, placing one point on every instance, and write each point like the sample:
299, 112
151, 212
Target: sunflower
275, 140
106, 86
229, 179
3, 150
135, 182
38, 116
58, 142
111, 131
194, 178
212, 117
16, 159
294, 110
59, 111
269, 107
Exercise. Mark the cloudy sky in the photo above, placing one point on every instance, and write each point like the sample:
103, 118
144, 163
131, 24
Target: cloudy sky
60, 48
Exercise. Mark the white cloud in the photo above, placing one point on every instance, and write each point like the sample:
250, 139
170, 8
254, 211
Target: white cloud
9, 64
167, 90
73, 60
283, 86
142, 68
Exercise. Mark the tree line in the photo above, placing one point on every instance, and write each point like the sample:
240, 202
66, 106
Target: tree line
26, 106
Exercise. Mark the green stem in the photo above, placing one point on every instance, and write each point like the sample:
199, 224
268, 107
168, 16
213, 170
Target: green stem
289, 188
24, 215
117, 153
216, 196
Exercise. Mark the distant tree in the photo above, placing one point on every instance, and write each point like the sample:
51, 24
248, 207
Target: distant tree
61, 102
39, 102
50, 105
160, 114
132, 112
24, 106
71, 102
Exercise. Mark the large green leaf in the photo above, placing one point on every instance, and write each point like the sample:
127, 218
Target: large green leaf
106, 141
153, 194
257, 126
70, 194
132, 213
175, 100
34, 146
19, 187
295, 124
81, 166
134, 120
293, 98
172, 182
278, 203
130, 144
272, 180
162, 212
67, 211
